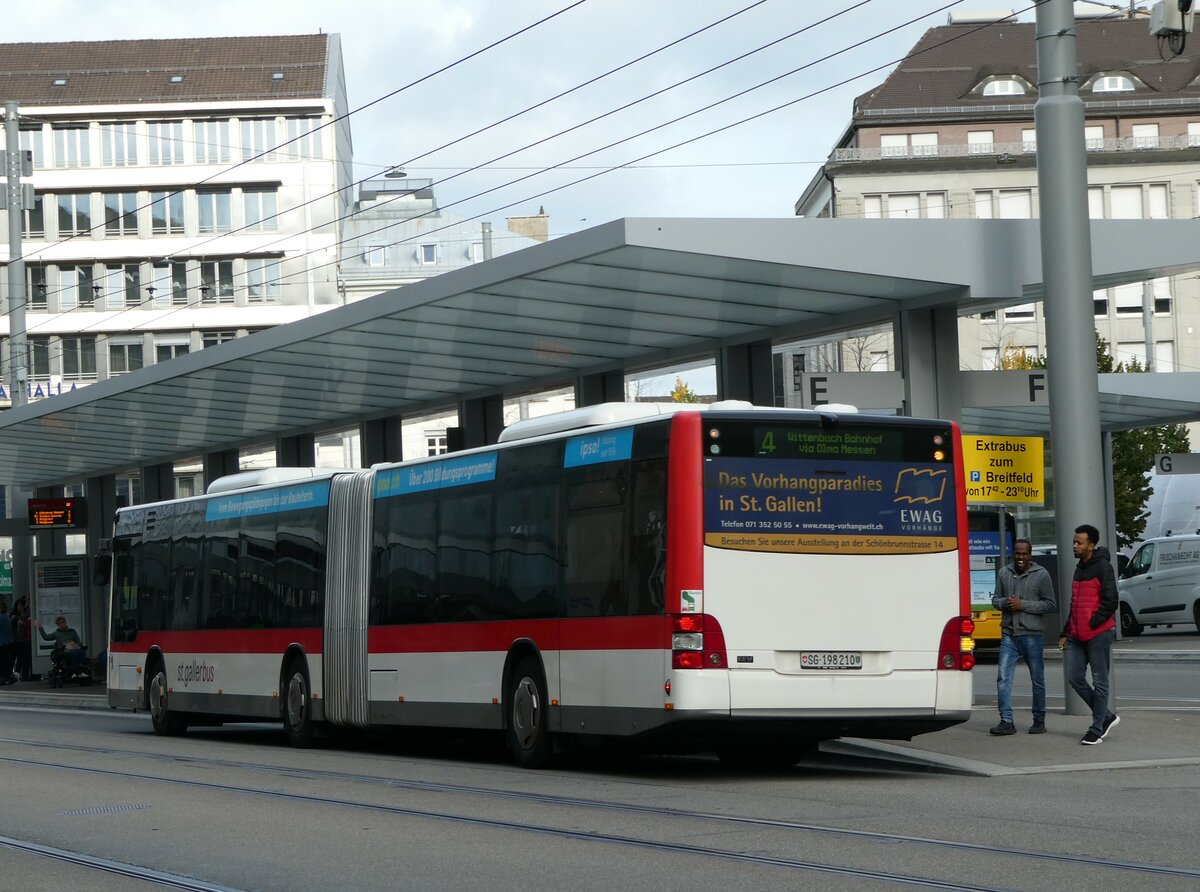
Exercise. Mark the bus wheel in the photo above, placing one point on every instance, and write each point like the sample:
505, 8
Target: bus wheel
166, 723
297, 705
528, 737
1130, 627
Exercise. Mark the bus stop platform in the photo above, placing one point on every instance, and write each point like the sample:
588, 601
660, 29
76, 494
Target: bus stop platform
1147, 736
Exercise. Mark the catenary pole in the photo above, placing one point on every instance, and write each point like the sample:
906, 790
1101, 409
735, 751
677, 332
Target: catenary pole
1067, 274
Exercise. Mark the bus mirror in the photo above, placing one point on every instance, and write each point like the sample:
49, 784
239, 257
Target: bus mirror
101, 568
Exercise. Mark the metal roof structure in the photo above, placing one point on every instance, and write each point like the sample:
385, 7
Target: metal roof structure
630, 294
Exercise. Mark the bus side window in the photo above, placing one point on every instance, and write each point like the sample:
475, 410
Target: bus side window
648, 538
595, 564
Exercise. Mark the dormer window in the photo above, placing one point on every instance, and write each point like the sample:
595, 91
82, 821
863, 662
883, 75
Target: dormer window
1005, 86
1113, 83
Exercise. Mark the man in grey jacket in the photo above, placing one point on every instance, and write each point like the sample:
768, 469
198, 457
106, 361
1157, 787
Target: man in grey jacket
1025, 593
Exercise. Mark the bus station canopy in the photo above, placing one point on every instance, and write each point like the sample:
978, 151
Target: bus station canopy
627, 295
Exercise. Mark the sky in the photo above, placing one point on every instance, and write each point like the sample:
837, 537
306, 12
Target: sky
751, 168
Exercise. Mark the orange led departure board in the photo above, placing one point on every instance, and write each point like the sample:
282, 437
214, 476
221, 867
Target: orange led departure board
57, 514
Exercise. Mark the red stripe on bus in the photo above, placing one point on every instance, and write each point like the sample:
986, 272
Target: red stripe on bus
685, 509
223, 641
596, 633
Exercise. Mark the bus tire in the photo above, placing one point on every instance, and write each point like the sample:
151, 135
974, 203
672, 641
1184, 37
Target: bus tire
164, 722
527, 715
297, 704
1130, 627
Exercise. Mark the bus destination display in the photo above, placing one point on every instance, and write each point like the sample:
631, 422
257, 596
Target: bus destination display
57, 514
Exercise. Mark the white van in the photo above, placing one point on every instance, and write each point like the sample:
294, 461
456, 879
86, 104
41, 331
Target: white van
1161, 584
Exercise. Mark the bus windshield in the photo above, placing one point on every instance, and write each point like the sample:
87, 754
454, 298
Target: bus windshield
865, 488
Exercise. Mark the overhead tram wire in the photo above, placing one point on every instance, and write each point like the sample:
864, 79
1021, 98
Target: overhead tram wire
650, 154
348, 114
193, 249
643, 157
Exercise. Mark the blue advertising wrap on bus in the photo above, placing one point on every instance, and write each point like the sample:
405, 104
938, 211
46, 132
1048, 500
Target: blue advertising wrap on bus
824, 507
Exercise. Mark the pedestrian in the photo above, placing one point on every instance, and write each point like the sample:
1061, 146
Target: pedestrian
1091, 627
6, 645
22, 630
1024, 595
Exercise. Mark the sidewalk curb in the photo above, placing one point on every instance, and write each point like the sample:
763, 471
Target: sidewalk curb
69, 700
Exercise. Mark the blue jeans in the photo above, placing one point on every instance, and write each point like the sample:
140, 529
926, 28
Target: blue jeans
1028, 648
1096, 653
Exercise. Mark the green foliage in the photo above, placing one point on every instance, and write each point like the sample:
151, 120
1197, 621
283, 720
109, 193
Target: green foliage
681, 393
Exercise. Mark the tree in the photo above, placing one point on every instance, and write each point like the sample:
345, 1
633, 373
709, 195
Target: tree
681, 393
1132, 454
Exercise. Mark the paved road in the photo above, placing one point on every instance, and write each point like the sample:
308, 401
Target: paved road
235, 808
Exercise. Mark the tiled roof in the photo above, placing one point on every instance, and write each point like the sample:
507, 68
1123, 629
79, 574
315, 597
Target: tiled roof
948, 62
131, 71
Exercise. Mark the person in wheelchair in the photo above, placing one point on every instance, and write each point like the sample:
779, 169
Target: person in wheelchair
69, 652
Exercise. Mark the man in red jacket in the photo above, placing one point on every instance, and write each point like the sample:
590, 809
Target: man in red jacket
1091, 627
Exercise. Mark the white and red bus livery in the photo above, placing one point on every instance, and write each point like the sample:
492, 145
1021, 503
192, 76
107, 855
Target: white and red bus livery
743, 580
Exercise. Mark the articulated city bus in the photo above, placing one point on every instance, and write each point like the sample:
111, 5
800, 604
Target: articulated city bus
739, 580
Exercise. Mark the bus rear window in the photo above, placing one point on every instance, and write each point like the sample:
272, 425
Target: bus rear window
847, 488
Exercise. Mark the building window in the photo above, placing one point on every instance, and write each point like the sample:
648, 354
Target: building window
427, 255
1020, 312
1148, 202
167, 347
1004, 204
122, 286
435, 443
166, 213
120, 214
303, 139
1029, 139
980, 142
475, 254
216, 282
118, 145
213, 338
262, 280
1100, 303
258, 140
1093, 136
35, 284
35, 219
905, 205
261, 209
71, 146
39, 358
32, 140
1112, 83
74, 214
79, 358
1004, 87
375, 255
212, 142
213, 208
170, 283
908, 145
124, 356
166, 142
75, 287
1145, 136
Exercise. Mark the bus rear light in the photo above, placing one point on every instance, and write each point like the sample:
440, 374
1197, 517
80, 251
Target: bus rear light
956, 650
687, 659
697, 642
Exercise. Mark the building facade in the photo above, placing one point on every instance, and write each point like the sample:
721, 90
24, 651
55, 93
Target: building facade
187, 192
950, 134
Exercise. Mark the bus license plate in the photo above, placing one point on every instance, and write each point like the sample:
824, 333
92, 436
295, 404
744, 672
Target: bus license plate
830, 659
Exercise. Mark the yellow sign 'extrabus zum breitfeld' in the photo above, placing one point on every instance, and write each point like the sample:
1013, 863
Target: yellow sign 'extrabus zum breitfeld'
1004, 470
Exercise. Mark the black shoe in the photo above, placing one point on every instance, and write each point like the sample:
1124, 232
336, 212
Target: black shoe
1109, 723
1037, 727
1091, 738
1003, 729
